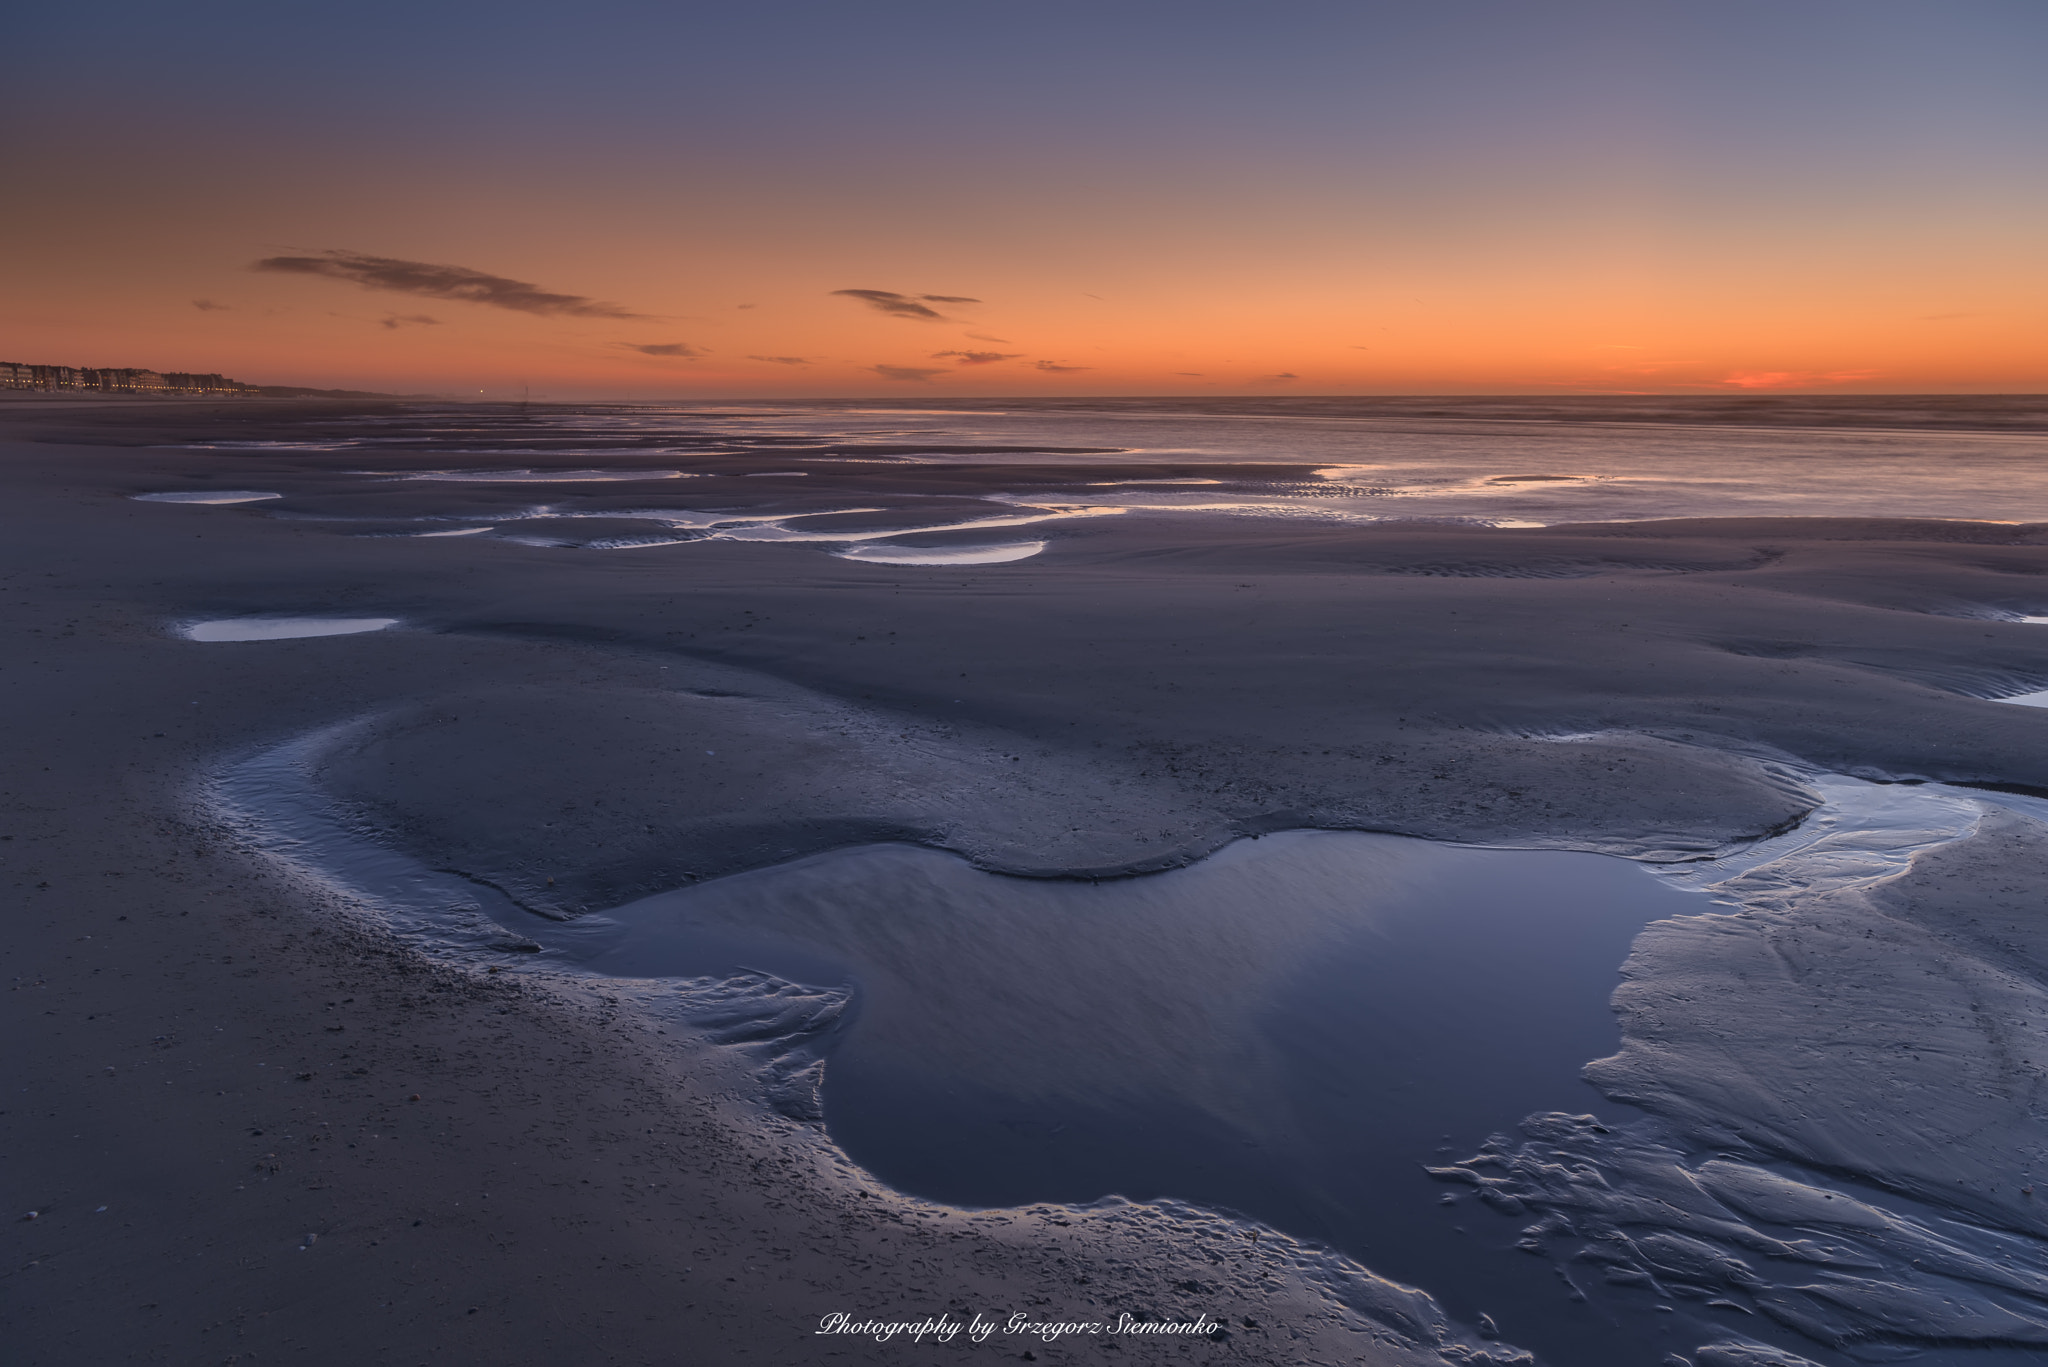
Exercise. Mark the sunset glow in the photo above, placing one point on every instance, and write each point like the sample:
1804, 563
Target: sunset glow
818, 200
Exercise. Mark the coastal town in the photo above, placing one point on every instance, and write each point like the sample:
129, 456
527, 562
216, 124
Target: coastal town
117, 380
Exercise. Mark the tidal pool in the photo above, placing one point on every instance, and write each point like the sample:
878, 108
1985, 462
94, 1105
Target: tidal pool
943, 555
1294, 1030
281, 628
207, 496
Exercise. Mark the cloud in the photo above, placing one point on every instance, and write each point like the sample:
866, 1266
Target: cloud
904, 372
782, 360
978, 357
395, 321
208, 306
743, 306
984, 337
1191, 374
1283, 375
1792, 379
901, 305
442, 282
1052, 368
683, 349
904, 305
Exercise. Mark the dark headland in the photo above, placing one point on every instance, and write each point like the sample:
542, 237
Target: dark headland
313, 1142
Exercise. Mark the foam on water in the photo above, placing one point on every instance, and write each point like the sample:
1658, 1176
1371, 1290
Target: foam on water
942, 555
207, 496
281, 628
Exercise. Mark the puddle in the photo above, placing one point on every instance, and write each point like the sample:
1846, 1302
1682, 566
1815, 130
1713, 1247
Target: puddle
281, 628
943, 555
771, 529
207, 496
2027, 699
538, 476
1287, 1028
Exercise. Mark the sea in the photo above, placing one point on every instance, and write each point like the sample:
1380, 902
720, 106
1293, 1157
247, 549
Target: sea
1500, 462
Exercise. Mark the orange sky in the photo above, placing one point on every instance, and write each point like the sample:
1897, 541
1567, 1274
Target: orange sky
1749, 235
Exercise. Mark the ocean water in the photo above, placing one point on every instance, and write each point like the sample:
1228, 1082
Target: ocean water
953, 470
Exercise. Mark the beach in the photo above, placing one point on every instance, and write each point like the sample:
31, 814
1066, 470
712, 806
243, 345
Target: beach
293, 1080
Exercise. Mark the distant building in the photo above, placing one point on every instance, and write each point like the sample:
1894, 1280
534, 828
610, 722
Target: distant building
56, 377
183, 382
115, 380
124, 381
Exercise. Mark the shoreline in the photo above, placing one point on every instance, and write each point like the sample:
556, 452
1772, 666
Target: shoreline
1125, 668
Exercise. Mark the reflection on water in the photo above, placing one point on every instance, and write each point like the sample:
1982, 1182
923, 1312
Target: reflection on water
538, 476
942, 555
208, 496
1528, 462
1337, 998
281, 628
1293, 1028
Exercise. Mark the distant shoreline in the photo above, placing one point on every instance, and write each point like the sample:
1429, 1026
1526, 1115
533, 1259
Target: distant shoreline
62, 398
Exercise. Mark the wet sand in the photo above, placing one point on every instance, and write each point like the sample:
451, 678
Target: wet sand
226, 1056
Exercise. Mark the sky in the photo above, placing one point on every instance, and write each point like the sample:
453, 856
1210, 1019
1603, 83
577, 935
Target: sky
790, 198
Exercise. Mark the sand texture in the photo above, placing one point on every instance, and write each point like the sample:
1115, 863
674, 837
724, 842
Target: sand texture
327, 1125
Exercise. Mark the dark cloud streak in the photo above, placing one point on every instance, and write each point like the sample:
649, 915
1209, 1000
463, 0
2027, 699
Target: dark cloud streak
683, 349
905, 305
898, 305
904, 372
978, 357
442, 282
